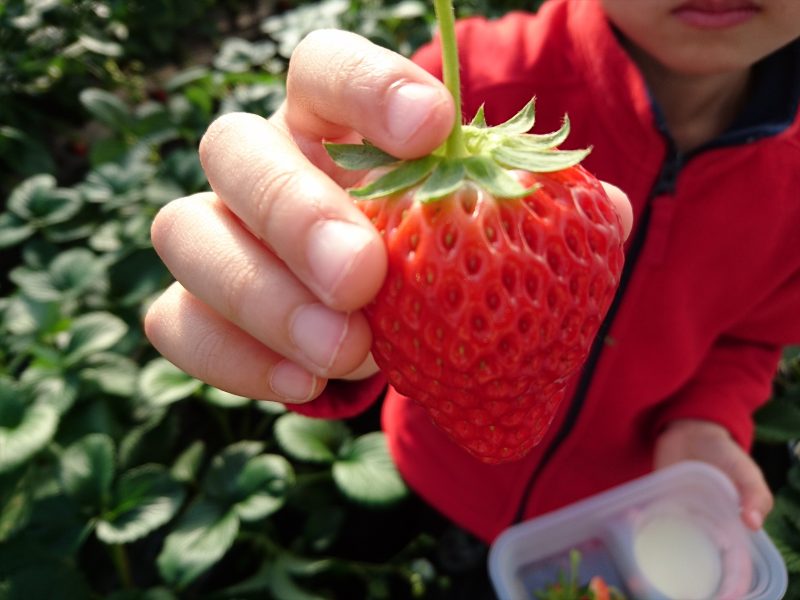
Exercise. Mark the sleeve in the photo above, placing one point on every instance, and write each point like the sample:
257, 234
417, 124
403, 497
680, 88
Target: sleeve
343, 399
733, 381
736, 375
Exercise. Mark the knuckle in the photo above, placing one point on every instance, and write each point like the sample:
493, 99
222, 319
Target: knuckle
240, 281
269, 189
208, 352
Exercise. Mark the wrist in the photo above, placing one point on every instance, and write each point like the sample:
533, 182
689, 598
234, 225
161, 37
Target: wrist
693, 433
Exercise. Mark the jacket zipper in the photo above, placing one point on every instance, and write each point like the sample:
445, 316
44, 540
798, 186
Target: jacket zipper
664, 184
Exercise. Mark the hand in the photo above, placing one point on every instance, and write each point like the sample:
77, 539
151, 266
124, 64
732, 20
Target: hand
709, 442
273, 266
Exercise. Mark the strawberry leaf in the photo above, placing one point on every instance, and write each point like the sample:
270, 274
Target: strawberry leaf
147, 497
446, 178
407, 174
201, 537
496, 180
357, 157
364, 472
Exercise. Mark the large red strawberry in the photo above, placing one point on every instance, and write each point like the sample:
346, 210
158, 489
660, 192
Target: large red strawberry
504, 254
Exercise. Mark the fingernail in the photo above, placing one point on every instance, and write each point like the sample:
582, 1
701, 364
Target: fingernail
291, 382
408, 107
755, 518
333, 248
318, 332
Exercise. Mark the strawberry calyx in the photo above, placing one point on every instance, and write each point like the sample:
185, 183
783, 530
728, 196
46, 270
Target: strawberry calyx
474, 152
490, 154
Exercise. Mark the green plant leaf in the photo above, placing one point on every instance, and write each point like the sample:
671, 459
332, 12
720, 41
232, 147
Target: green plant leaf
323, 527
188, 463
785, 537
54, 523
778, 421
151, 441
283, 585
497, 181
264, 483
366, 473
186, 77
146, 498
406, 175
270, 407
310, 440
157, 593
201, 537
100, 46
15, 503
112, 373
13, 230
358, 157
91, 333
106, 108
87, 470
25, 316
220, 482
161, 383
224, 399
238, 55
69, 275
52, 387
25, 429
43, 579
39, 201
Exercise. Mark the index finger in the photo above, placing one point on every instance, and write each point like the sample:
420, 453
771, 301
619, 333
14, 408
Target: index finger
305, 218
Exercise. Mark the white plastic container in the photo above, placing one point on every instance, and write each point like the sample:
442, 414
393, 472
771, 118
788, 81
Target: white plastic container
675, 534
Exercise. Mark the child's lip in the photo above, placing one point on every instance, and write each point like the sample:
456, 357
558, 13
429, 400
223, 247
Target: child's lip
716, 14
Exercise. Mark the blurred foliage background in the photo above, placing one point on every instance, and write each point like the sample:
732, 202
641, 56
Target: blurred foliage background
120, 476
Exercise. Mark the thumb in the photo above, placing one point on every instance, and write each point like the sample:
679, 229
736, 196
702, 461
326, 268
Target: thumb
339, 82
755, 496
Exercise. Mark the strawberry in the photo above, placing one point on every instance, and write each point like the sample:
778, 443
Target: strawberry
568, 587
599, 588
503, 257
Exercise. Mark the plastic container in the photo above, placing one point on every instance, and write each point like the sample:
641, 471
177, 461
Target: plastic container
675, 534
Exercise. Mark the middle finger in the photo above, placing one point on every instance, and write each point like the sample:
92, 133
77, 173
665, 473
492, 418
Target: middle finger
206, 248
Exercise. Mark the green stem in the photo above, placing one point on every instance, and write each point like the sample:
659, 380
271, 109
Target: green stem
454, 146
120, 558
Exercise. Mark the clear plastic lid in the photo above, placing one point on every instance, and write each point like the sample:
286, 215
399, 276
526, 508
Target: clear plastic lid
675, 534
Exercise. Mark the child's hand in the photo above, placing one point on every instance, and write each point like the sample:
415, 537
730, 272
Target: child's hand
273, 266
711, 443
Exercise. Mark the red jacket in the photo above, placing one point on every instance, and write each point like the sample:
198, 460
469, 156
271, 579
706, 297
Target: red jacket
710, 292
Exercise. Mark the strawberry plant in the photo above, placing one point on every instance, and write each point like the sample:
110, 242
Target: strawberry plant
504, 255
